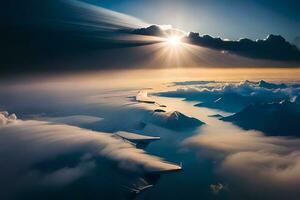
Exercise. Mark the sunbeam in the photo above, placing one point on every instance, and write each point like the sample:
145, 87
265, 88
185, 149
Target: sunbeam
174, 41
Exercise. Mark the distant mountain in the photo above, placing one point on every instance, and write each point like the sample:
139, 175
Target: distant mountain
297, 99
235, 101
279, 119
174, 120
230, 102
267, 85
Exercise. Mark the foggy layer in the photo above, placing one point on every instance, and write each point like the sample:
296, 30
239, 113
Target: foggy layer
267, 166
25, 145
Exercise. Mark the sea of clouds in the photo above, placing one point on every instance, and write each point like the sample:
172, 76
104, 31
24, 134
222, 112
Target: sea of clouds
211, 90
36, 155
254, 164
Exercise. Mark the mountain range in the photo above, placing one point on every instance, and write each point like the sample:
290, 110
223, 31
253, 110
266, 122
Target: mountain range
174, 120
276, 119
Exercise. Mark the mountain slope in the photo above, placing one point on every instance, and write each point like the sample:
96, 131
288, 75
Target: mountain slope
174, 120
280, 119
230, 102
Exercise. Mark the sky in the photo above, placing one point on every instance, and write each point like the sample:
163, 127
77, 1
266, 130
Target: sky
84, 34
227, 19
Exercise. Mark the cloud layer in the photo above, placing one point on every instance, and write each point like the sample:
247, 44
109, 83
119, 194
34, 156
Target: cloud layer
233, 97
268, 167
34, 154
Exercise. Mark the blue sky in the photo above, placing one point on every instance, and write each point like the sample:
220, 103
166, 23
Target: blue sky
227, 19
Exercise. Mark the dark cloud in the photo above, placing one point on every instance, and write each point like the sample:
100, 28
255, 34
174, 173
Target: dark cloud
274, 47
151, 30
156, 30
37, 34
72, 35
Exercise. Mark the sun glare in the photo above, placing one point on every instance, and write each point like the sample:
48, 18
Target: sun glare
173, 40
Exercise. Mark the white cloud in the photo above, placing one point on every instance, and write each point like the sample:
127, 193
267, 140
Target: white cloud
67, 175
246, 88
26, 144
267, 166
75, 120
6, 118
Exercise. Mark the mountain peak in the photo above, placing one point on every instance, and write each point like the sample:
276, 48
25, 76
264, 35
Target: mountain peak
275, 38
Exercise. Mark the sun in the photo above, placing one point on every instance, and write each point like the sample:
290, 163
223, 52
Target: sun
173, 41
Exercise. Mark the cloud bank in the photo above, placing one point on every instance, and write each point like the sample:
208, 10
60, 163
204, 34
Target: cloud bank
57, 31
156, 30
233, 97
37, 154
268, 167
274, 47
6, 118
